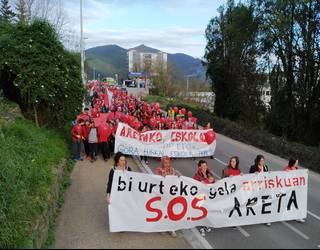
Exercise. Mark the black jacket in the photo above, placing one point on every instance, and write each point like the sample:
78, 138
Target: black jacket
254, 169
111, 174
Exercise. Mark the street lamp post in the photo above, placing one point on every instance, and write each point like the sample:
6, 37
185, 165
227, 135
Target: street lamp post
81, 45
188, 81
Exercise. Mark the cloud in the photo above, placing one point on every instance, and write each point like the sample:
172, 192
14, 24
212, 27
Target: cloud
171, 40
174, 34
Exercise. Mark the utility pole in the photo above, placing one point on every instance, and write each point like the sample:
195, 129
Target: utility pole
81, 45
187, 84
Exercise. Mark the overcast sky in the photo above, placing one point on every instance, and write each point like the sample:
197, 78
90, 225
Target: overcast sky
173, 26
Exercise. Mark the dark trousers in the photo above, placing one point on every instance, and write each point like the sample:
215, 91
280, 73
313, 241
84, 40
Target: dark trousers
86, 147
94, 147
76, 148
105, 149
111, 144
144, 158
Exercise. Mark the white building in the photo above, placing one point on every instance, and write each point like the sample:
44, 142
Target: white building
266, 96
142, 61
206, 99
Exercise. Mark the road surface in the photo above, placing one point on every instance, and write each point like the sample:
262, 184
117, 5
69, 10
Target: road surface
281, 235
83, 221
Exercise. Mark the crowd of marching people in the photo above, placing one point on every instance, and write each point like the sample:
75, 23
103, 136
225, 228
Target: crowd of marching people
96, 129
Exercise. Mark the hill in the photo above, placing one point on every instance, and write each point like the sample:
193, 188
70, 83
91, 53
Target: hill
112, 59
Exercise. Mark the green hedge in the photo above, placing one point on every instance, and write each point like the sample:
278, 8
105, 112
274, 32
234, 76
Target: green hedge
309, 156
28, 157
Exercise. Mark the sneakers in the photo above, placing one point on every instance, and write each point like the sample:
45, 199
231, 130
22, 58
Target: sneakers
208, 230
268, 224
174, 234
203, 232
78, 159
301, 221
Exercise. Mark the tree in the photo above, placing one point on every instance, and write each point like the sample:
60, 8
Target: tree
6, 14
46, 80
291, 35
22, 11
231, 60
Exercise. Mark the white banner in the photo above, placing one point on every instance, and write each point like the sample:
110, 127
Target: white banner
172, 143
149, 203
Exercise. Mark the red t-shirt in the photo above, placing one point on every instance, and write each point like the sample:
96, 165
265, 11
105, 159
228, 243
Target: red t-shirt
104, 133
288, 168
85, 132
200, 177
84, 116
233, 172
76, 131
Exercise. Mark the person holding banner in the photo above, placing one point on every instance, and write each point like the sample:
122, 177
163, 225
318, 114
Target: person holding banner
260, 167
120, 163
233, 168
293, 165
205, 176
166, 169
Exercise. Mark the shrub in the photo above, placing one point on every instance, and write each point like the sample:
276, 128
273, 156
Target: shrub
308, 156
28, 156
38, 73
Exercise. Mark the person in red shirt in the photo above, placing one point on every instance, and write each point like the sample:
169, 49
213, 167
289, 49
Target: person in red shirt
292, 165
166, 168
104, 133
84, 116
205, 176
76, 140
85, 137
233, 168
203, 173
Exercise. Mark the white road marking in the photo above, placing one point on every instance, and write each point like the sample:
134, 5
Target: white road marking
202, 240
297, 231
228, 155
223, 163
244, 232
241, 230
314, 215
310, 213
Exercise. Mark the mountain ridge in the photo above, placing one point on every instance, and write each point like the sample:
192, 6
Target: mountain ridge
111, 59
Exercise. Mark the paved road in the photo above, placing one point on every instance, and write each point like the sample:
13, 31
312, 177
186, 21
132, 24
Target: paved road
281, 235
83, 221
